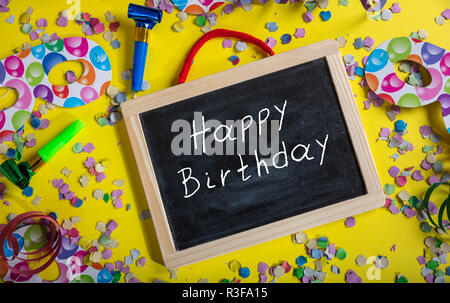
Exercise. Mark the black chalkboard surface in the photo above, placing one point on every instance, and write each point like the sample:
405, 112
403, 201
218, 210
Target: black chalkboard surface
251, 154
312, 113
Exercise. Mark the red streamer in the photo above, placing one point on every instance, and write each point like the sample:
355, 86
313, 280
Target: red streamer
50, 249
217, 33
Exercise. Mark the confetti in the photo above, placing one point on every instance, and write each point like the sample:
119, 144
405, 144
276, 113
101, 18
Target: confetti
439, 20
325, 15
308, 17
350, 222
395, 8
386, 14
227, 43
300, 237
234, 59
299, 33
272, 26
271, 42
361, 260
286, 38
240, 46
341, 41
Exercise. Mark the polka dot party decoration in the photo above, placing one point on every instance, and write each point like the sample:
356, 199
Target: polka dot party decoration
381, 77
197, 7
27, 73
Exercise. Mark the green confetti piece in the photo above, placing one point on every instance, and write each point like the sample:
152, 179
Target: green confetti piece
106, 197
225, 281
425, 227
389, 189
401, 279
413, 201
341, 254
322, 242
310, 6
343, 2
298, 272
104, 239
432, 264
427, 148
102, 121
200, 21
415, 35
77, 147
438, 273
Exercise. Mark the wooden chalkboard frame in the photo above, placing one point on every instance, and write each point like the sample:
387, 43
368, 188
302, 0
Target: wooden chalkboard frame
325, 49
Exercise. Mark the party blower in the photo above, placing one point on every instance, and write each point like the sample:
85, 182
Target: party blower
145, 18
20, 174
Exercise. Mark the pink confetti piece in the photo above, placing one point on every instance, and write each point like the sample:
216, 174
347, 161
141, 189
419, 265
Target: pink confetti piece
387, 202
425, 165
425, 131
117, 193
119, 265
308, 17
109, 267
263, 278
88, 148
166, 6
100, 177
401, 180
64, 189
90, 162
409, 212
107, 253
429, 278
227, 43
350, 222
369, 42
69, 196
433, 179
364, 60
394, 209
62, 21
262, 267
112, 225
31, 143
57, 183
118, 203
141, 261
446, 14
417, 175
367, 104
422, 260
271, 42
434, 210
34, 35
395, 8
352, 277
114, 26
438, 150
299, 33
41, 23
228, 8
394, 171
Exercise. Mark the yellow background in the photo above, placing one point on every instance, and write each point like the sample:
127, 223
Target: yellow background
375, 232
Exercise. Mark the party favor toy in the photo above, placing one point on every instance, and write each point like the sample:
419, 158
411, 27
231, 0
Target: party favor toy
20, 174
27, 73
381, 77
146, 18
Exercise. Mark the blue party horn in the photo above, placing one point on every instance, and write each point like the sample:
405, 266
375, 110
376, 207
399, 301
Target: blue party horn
145, 18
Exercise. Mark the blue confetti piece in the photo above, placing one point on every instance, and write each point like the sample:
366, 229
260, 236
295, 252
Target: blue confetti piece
325, 15
301, 261
316, 254
286, 38
359, 71
244, 272
400, 125
78, 203
234, 59
28, 191
121, 97
272, 26
11, 153
358, 43
35, 123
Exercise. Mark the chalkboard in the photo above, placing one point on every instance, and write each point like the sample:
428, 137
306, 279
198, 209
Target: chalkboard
213, 185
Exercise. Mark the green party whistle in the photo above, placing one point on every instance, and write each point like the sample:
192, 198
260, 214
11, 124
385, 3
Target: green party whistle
20, 174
